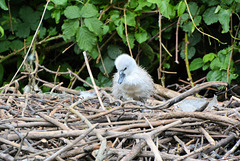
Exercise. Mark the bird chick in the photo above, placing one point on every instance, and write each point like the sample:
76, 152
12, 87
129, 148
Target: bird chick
131, 81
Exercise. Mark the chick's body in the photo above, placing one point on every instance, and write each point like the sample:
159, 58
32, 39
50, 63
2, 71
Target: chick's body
131, 81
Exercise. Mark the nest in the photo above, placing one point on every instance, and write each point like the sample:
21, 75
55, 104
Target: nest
71, 127
67, 126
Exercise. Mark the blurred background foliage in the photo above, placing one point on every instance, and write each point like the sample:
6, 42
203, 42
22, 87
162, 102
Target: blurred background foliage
106, 29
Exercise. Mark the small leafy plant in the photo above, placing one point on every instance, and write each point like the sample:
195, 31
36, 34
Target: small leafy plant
217, 64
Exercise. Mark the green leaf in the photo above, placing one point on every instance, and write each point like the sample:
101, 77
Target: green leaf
184, 17
166, 65
195, 38
191, 52
220, 75
232, 76
164, 8
212, 2
23, 30
217, 9
56, 15
86, 40
215, 64
197, 21
105, 29
88, 10
196, 64
16, 44
3, 5
214, 75
209, 16
133, 3
224, 19
104, 81
227, 1
187, 27
209, 57
142, 36
114, 16
28, 15
130, 18
4, 46
181, 8
153, 1
205, 66
63, 68
148, 51
1, 31
42, 33
52, 31
193, 8
88, 79
120, 30
108, 63
94, 53
72, 12
70, 28
60, 2
114, 51
94, 25
142, 4
226, 62
131, 40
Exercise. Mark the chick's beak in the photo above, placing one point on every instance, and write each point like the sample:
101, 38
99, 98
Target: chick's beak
121, 77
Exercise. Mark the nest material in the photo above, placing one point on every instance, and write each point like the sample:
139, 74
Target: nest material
68, 127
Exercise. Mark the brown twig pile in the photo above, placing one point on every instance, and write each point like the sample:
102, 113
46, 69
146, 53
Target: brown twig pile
66, 126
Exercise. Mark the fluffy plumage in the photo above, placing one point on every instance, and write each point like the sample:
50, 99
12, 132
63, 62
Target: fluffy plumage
131, 81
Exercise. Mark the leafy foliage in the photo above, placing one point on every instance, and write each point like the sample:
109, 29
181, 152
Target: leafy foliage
106, 30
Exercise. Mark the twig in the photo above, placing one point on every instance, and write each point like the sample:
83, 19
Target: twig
53, 121
94, 84
160, 46
25, 148
34, 37
208, 137
102, 139
201, 115
72, 144
135, 150
182, 144
193, 152
192, 91
232, 150
176, 50
20, 147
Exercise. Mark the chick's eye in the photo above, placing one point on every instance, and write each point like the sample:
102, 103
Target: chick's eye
125, 69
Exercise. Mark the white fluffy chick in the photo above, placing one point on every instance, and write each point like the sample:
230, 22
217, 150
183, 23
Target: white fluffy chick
131, 81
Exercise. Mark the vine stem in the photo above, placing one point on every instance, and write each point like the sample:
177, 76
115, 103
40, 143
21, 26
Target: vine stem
198, 28
125, 19
34, 37
186, 60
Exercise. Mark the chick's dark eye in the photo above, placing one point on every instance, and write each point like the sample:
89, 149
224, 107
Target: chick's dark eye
125, 69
